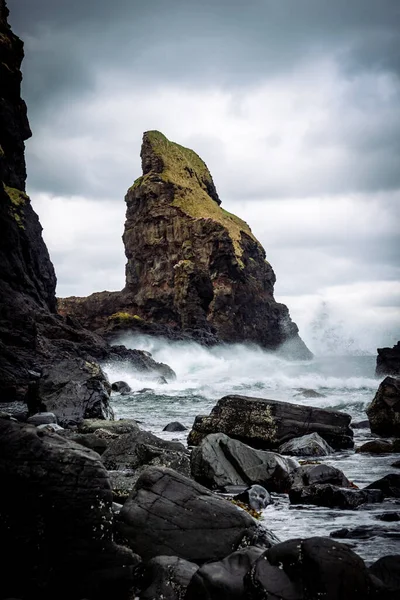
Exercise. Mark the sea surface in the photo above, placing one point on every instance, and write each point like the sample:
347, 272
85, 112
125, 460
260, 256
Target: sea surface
206, 374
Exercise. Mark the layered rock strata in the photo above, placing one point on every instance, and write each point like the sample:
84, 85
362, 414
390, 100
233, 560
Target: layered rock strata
193, 268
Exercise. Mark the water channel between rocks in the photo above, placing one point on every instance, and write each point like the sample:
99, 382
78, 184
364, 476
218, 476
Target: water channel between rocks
206, 374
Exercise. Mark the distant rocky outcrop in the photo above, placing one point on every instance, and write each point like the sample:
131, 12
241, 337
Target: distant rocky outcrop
384, 411
388, 361
33, 336
194, 270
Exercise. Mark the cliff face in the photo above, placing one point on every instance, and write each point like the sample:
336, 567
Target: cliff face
32, 334
192, 266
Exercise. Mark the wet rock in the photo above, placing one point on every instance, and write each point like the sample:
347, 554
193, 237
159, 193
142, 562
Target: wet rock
307, 445
116, 427
333, 496
316, 474
364, 532
308, 569
387, 570
384, 410
396, 464
139, 448
388, 361
309, 393
360, 424
169, 514
90, 440
220, 461
175, 426
389, 517
223, 580
165, 577
42, 418
379, 447
55, 518
73, 389
389, 485
267, 424
121, 386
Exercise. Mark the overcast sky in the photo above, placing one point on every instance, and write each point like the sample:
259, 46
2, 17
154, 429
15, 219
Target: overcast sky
293, 104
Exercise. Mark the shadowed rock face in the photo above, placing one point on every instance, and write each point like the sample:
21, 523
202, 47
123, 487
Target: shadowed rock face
192, 266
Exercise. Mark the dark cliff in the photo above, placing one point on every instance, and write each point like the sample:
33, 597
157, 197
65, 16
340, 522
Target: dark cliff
32, 334
193, 267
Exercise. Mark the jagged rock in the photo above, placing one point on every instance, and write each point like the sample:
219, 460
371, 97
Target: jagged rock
165, 577
311, 474
139, 448
384, 410
267, 424
306, 445
192, 266
220, 461
55, 519
121, 386
73, 389
308, 569
389, 485
326, 494
223, 580
175, 426
169, 514
388, 361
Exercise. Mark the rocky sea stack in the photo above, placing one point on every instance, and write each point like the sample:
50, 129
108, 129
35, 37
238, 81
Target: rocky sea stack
194, 270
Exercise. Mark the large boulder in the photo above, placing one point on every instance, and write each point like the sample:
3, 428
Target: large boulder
387, 570
311, 444
169, 514
309, 569
73, 389
224, 579
163, 578
388, 361
55, 519
384, 410
138, 448
316, 474
326, 494
220, 461
267, 424
389, 485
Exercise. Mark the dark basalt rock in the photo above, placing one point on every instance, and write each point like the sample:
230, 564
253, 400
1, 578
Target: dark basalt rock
389, 485
379, 447
175, 426
194, 271
387, 570
384, 410
360, 424
223, 580
389, 517
311, 444
139, 448
169, 514
364, 532
333, 496
121, 386
165, 577
220, 461
388, 361
312, 474
267, 424
55, 519
309, 569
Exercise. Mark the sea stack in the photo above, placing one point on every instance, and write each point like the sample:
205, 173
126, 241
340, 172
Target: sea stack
193, 268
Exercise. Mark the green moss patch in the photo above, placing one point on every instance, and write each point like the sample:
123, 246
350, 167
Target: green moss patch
18, 200
123, 318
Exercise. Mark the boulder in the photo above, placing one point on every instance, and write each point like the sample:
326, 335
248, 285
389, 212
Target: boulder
138, 448
364, 532
389, 485
396, 464
121, 387
326, 494
384, 411
220, 461
73, 389
316, 474
223, 580
309, 393
55, 519
42, 418
388, 361
364, 424
390, 517
311, 444
164, 577
169, 514
387, 570
267, 424
379, 447
175, 426
308, 569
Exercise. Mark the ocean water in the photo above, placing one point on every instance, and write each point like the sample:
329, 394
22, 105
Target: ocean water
204, 375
